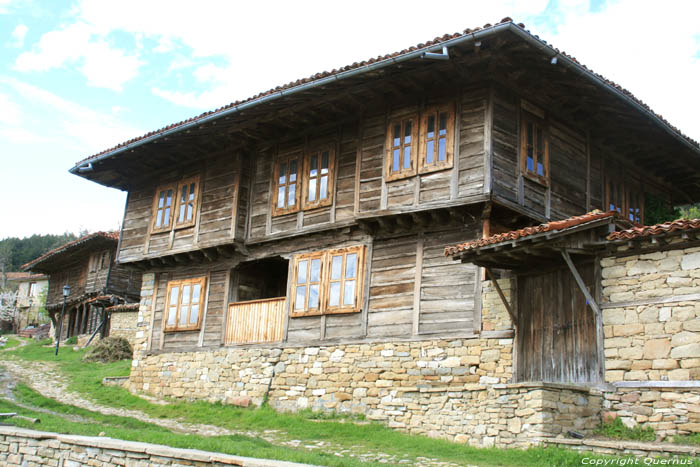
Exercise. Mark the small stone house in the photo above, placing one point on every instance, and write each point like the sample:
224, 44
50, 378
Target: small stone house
292, 245
31, 291
101, 291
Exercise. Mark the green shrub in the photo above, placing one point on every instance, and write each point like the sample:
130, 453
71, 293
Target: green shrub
109, 349
73, 340
617, 430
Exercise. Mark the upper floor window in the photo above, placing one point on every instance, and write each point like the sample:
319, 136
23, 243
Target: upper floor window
328, 282
183, 309
436, 138
624, 197
318, 183
420, 143
32, 289
286, 185
176, 204
305, 182
534, 144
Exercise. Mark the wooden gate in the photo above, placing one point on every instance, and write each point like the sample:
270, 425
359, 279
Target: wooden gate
255, 321
556, 328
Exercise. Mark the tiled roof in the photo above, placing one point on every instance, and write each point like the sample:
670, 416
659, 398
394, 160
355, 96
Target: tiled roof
23, 276
114, 235
528, 231
357, 65
653, 230
124, 307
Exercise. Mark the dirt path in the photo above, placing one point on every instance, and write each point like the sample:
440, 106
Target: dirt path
46, 379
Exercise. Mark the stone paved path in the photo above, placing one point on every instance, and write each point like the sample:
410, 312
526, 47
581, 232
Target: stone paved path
46, 379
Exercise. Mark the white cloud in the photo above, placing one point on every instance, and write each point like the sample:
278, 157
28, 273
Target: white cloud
103, 65
72, 125
11, 113
18, 34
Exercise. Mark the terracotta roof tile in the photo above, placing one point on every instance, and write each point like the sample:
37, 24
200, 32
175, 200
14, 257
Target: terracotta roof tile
113, 235
528, 231
370, 61
653, 230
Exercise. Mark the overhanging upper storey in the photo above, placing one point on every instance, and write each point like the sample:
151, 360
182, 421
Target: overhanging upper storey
504, 53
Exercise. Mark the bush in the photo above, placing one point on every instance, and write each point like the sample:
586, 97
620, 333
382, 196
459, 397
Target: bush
109, 349
73, 340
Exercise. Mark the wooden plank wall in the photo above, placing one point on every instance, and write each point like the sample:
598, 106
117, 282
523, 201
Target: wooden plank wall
556, 328
255, 321
216, 208
75, 276
447, 287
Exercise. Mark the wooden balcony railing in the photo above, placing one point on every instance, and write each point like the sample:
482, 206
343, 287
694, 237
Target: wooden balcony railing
255, 321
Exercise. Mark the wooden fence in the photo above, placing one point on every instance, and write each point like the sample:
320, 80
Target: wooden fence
255, 321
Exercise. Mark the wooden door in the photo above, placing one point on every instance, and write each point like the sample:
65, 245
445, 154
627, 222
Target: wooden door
556, 328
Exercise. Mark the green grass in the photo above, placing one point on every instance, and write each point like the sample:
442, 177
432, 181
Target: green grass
12, 341
73, 340
693, 439
86, 378
615, 429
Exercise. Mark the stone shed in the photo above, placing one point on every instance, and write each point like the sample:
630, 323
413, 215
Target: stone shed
597, 302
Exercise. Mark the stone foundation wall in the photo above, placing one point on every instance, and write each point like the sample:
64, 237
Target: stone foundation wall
645, 339
669, 411
28, 448
124, 324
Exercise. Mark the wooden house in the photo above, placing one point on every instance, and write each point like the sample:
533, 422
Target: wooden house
97, 284
316, 215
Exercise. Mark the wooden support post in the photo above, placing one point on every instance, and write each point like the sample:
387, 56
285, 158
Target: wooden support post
577, 277
509, 309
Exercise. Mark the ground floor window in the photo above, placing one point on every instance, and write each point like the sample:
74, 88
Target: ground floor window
328, 282
184, 304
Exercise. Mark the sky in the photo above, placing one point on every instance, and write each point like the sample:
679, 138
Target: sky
78, 77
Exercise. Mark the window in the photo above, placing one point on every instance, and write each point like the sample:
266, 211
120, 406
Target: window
318, 183
401, 144
187, 194
436, 138
624, 198
534, 147
286, 186
175, 206
328, 282
183, 309
32, 289
163, 206
104, 260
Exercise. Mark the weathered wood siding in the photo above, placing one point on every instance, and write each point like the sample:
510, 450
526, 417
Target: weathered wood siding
75, 276
215, 223
557, 340
447, 287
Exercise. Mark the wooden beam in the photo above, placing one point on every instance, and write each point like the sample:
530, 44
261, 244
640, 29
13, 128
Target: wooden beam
509, 309
577, 277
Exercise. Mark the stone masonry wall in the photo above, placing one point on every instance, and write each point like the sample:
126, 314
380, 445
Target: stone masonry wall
124, 324
670, 411
28, 448
494, 316
655, 341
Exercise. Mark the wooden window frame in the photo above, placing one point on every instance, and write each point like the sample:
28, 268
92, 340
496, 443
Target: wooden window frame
325, 281
195, 202
436, 165
307, 179
202, 281
389, 174
277, 211
527, 115
165, 227
625, 190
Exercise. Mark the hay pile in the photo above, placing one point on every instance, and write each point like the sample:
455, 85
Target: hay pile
109, 349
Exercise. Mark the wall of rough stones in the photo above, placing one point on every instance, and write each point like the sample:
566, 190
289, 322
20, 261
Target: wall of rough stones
124, 324
494, 316
647, 340
28, 448
670, 411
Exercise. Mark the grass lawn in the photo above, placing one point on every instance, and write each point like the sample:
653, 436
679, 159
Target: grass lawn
86, 378
12, 341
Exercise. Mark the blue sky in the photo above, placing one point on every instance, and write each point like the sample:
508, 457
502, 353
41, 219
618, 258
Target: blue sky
78, 77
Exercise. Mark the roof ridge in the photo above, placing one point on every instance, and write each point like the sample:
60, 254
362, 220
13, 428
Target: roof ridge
370, 61
110, 235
